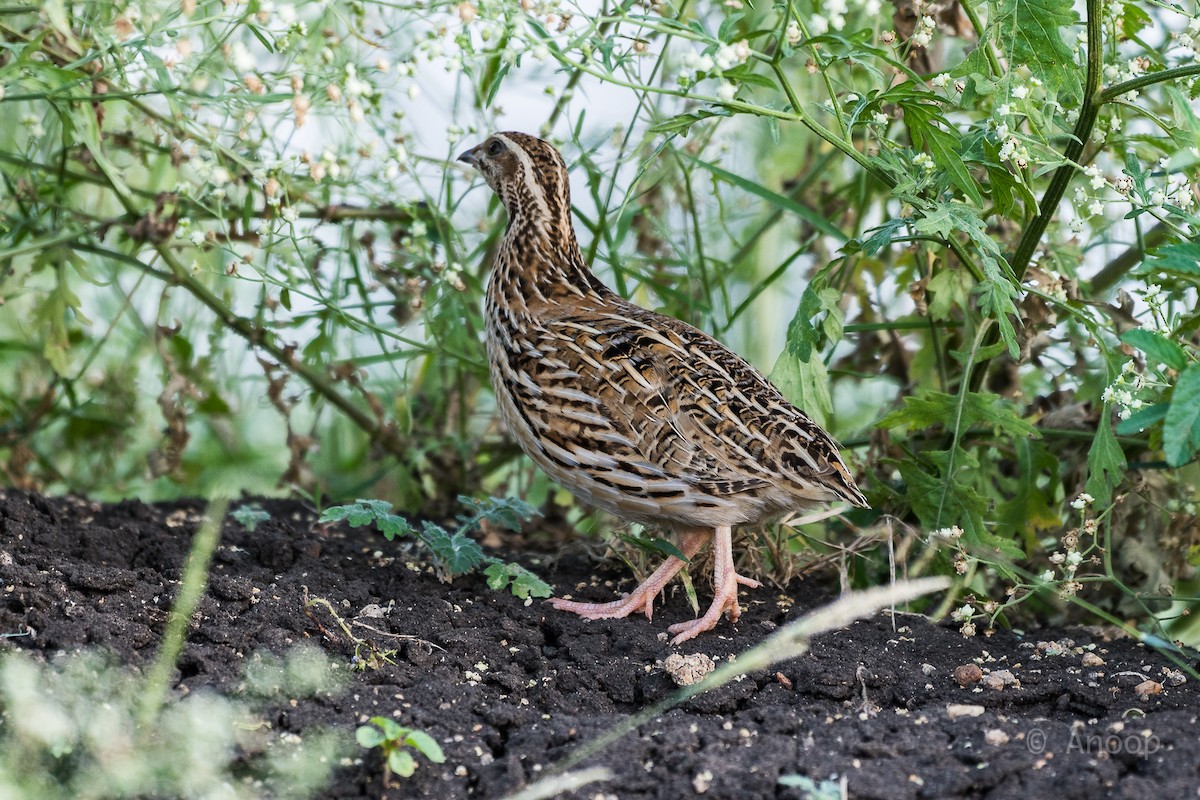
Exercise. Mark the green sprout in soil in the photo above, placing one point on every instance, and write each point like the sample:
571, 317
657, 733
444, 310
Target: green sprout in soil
394, 742
250, 515
455, 552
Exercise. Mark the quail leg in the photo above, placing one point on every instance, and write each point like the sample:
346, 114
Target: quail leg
641, 598
725, 589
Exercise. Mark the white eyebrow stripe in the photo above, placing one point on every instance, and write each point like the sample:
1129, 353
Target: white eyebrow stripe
535, 188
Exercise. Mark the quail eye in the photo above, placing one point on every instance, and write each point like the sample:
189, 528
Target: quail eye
494, 148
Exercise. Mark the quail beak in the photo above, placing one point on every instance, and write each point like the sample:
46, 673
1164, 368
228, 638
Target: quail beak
470, 157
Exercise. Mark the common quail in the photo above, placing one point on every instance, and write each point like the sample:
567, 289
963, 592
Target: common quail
636, 413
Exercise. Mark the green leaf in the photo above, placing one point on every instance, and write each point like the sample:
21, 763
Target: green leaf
774, 198
923, 120
507, 512
950, 289
249, 516
402, 763
1106, 462
932, 409
1029, 31
654, 545
522, 582
879, 237
1181, 427
998, 291
457, 552
426, 745
1143, 419
392, 730
369, 736
1180, 258
683, 123
1157, 346
805, 383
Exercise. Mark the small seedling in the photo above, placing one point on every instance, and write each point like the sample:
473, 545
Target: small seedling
454, 552
393, 740
250, 515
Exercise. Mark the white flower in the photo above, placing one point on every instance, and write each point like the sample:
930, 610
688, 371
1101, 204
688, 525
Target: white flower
289, 214
964, 613
726, 91
923, 161
817, 24
1004, 109
1048, 575
695, 62
242, 60
1020, 91
942, 81
1057, 558
793, 36
1008, 148
1074, 558
879, 118
1084, 500
414, 91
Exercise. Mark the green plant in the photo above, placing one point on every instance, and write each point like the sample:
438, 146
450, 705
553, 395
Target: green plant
75, 728
394, 743
249, 516
455, 553
966, 245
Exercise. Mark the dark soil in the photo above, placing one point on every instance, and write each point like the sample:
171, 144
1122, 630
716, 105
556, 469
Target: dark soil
509, 688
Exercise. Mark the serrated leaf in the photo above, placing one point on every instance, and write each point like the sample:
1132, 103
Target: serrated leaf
507, 512
249, 517
1181, 426
1106, 462
805, 383
1030, 33
1157, 346
932, 409
1180, 258
456, 552
880, 237
522, 582
924, 120
951, 289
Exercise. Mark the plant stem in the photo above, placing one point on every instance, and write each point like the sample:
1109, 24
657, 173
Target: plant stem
1142, 81
973, 16
1092, 100
191, 587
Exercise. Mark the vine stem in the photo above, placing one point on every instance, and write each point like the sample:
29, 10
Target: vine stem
1093, 98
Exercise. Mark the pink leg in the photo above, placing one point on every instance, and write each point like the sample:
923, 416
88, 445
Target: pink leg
641, 598
725, 589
